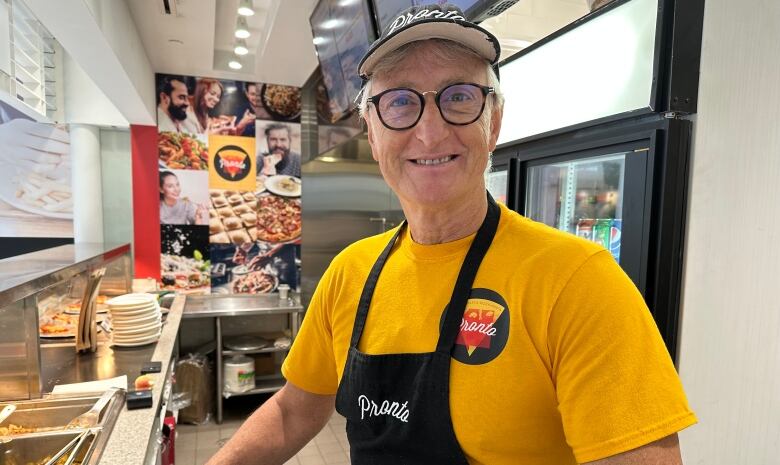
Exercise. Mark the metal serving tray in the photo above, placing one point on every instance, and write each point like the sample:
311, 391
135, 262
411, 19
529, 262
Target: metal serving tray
49, 417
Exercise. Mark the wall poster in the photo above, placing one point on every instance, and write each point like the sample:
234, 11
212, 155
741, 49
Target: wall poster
230, 185
35, 177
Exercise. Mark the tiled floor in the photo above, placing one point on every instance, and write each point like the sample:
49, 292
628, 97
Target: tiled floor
196, 444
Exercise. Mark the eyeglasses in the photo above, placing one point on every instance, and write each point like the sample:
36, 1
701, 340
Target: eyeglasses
459, 104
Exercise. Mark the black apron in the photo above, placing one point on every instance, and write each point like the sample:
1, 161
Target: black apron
397, 405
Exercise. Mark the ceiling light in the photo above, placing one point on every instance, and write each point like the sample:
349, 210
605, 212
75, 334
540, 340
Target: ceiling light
241, 48
246, 8
235, 64
318, 40
242, 28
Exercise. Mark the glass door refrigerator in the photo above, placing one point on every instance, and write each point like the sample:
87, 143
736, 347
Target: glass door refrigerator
621, 185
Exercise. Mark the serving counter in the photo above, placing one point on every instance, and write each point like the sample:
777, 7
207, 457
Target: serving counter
135, 439
33, 282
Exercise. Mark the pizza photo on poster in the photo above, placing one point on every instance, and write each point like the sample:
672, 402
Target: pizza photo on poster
252, 268
184, 261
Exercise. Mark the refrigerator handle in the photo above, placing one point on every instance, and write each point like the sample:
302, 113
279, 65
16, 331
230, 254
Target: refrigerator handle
513, 193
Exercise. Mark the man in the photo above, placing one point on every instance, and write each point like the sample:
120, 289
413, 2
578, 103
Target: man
470, 335
250, 111
172, 104
280, 159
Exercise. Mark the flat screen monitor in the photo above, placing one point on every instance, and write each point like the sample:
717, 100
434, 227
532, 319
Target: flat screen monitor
387, 10
343, 31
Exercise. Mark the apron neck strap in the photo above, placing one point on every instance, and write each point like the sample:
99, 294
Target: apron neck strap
468, 271
368, 288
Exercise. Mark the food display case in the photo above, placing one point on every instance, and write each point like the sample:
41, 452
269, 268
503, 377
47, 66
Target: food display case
47, 286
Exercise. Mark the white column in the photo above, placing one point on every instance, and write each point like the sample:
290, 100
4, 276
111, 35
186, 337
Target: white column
87, 185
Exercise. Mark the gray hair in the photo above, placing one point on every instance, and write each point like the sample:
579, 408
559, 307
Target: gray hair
444, 50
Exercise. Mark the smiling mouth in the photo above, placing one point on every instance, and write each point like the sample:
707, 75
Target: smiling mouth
437, 161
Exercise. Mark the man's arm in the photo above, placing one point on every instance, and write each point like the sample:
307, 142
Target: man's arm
278, 429
665, 451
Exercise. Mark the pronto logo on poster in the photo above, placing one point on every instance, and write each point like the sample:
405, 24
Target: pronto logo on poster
232, 163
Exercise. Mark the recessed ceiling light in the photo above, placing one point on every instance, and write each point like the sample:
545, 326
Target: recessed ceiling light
240, 48
235, 64
246, 8
318, 40
242, 28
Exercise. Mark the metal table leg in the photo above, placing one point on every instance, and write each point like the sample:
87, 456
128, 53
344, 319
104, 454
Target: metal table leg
218, 329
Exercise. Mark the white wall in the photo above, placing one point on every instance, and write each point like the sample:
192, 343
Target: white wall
101, 36
84, 102
730, 343
117, 195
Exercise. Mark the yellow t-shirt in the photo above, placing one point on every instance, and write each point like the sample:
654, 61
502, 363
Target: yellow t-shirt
558, 360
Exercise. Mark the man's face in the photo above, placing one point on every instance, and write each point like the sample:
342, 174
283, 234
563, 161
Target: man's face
177, 102
253, 96
278, 142
462, 150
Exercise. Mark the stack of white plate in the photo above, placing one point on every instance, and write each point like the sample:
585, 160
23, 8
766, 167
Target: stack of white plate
135, 318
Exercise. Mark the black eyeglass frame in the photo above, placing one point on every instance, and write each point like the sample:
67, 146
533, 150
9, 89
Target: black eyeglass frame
486, 90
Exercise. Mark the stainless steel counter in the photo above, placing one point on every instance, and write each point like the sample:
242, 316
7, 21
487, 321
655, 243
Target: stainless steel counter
134, 439
218, 306
61, 365
27, 274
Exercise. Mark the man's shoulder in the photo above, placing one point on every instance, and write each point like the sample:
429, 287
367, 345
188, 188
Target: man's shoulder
529, 238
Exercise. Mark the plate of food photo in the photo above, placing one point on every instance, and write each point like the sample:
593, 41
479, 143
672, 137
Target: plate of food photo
282, 102
287, 186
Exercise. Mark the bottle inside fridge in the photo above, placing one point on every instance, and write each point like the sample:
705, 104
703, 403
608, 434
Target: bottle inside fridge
582, 197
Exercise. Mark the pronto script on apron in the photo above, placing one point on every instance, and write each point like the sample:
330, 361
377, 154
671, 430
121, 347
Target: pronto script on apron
394, 409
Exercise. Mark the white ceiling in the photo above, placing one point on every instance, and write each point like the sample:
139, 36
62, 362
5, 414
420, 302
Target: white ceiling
531, 20
198, 40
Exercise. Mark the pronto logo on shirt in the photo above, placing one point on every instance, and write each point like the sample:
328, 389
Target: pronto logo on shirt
408, 18
393, 409
484, 328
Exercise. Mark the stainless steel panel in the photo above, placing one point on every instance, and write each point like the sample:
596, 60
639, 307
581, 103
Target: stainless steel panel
205, 306
344, 200
19, 360
24, 275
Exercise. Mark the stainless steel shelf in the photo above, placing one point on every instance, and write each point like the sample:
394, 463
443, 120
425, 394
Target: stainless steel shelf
266, 350
218, 306
263, 385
